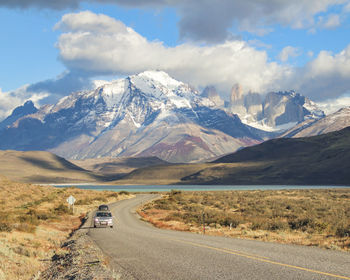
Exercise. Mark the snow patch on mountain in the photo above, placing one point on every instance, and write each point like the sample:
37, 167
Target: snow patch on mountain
262, 125
113, 92
161, 78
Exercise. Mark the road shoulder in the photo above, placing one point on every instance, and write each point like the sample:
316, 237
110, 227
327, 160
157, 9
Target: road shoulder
81, 259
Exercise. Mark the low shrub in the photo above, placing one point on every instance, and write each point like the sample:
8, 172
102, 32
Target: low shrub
5, 227
232, 221
301, 223
85, 201
30, 217
100, 198
276, 225
163, 204
25, 227
62, 209
22, 251
124, 192
175, 192
175, 216
343, 230
114, 195
257, 224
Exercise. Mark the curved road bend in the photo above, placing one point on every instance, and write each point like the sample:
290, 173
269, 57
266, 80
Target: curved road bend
140, 251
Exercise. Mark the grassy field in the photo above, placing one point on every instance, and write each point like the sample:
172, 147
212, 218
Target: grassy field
34, 220
306, 217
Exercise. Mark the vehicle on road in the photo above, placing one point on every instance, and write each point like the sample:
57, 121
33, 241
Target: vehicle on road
103, 218
103, 207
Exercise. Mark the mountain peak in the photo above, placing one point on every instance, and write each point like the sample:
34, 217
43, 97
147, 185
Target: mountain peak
26, 109
160, 77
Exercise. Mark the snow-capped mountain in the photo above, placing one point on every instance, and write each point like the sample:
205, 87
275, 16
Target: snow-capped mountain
330, 123
149, 114
278, 111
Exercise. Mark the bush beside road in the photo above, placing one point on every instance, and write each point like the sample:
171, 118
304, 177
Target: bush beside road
306, 217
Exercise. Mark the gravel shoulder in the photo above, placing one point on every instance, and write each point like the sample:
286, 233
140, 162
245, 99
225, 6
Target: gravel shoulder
81, 259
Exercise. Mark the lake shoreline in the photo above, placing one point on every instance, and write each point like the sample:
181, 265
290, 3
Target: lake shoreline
166, 188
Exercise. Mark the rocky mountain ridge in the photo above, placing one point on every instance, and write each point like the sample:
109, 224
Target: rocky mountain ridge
276, 111
154, 115
149, 114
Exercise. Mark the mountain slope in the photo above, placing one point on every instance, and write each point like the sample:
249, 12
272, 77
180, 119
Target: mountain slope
323, 160
330, 123
21, 111
149, 114
42, 167
114, 166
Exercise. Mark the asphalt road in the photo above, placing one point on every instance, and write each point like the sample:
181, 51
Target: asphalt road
138, 250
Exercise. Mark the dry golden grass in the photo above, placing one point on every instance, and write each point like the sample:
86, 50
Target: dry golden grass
306, 217
34, 221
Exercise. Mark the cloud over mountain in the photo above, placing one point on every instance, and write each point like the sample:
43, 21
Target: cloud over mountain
98, 44
13, 99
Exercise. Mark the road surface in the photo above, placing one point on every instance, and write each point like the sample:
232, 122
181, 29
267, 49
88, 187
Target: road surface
138, 250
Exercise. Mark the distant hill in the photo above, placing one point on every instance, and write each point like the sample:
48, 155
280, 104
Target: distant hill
160, 175
323, 159
42, 167
108, 166
318, 160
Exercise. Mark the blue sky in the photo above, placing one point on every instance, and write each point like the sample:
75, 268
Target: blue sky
270, 45
30, 38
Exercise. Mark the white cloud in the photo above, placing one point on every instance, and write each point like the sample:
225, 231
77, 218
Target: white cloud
13, 99
45, 92
332, 21
102, 45
119, 50
347, 8
310, 53
325, 77
332, 105
288, 52
90, 22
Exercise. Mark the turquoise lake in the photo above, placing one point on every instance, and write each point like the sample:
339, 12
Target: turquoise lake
166, 188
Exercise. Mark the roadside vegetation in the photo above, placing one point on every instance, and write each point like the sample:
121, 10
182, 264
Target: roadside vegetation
35, 220
306, 217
